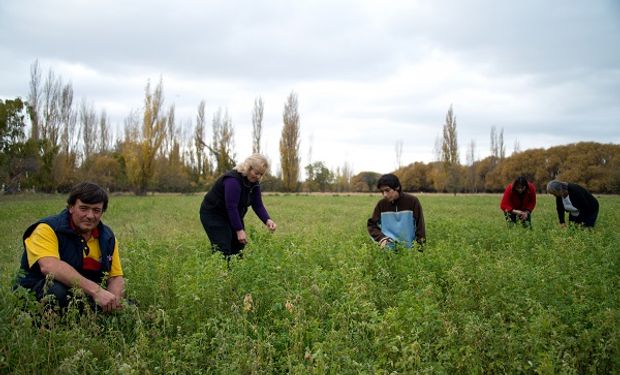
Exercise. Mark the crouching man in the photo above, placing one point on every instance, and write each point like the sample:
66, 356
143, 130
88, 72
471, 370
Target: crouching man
74, 249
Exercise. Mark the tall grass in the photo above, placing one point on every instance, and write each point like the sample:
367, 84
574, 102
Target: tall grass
319, 297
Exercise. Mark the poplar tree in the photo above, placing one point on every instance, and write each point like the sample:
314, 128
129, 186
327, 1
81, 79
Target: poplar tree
399, 153
257, 125
471, 161
202, 162
34, 100
222, 146
44, 108
68, 118
289, 144
498, 149
52, 89
450, 152
67, 160
104, 133
88, 129
151, 136
494, 148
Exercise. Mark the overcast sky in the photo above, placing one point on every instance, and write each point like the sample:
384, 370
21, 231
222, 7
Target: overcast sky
368, 74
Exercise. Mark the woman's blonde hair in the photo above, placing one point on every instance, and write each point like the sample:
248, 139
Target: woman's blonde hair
255, 161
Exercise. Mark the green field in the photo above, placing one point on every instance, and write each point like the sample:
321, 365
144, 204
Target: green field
318, 297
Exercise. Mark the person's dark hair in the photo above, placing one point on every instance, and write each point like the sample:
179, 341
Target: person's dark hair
521, 181
88, 193
389, 180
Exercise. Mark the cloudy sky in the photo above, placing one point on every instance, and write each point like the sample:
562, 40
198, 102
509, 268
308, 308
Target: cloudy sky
368, 74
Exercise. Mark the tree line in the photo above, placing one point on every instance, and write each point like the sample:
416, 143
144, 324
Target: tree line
49, 141
590, 164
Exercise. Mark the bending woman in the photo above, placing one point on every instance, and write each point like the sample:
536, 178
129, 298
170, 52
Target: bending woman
225, 205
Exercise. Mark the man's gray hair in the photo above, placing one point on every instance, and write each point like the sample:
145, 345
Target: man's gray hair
555, 186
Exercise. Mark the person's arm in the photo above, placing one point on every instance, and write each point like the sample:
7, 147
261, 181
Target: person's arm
374, 230
506, 204
42, 242
420, 230
69, 276
116, 286
116, 281
559, 206
530, 202
232, 194
260, 210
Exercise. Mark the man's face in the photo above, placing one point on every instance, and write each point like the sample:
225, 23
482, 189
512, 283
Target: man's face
560, 194
388, 193
85, 217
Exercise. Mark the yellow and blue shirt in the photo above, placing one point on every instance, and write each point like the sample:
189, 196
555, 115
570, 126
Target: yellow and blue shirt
55, 236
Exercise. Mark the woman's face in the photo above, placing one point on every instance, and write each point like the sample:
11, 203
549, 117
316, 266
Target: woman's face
255, 175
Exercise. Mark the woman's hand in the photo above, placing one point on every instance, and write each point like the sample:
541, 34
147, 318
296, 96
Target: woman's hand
242, 237
521, 214
271, 225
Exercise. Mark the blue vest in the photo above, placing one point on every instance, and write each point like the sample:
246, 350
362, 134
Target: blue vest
70, 248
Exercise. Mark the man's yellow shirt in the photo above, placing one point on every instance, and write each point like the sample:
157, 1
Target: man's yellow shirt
44, 243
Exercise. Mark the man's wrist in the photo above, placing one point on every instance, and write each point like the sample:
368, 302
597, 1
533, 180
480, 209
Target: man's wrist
94, 292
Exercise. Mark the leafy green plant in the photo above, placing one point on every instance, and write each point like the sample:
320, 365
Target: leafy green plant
318, 296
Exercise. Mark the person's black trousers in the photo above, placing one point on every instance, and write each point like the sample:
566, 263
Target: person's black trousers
221, 235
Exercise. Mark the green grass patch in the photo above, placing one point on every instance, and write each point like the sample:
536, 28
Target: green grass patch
319, 297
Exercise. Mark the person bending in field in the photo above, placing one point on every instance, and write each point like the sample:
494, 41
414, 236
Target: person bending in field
398, 217
224, 206
576, 200
519, 201
74, 249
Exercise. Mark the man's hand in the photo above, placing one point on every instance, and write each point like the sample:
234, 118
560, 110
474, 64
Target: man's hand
107, 300
421, 243
67, 275
385, 241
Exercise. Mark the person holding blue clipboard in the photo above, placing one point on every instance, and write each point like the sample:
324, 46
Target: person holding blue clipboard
397, 219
